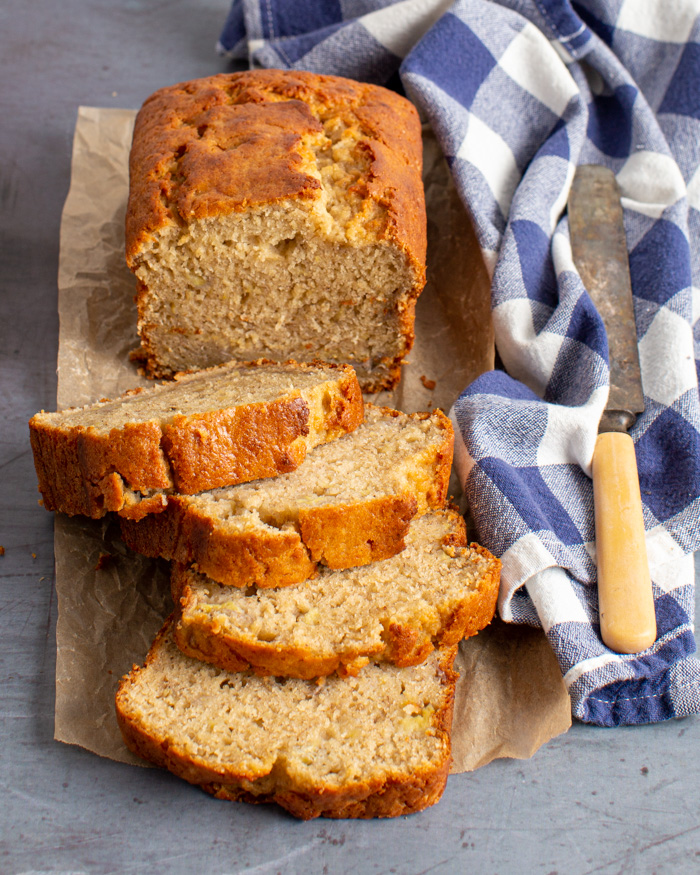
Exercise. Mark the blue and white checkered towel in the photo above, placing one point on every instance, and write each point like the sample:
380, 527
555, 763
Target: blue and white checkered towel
519, 92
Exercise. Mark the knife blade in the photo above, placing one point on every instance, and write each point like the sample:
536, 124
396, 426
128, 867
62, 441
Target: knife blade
599, 247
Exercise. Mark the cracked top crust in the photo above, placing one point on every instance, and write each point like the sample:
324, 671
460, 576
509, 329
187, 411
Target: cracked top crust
229, 142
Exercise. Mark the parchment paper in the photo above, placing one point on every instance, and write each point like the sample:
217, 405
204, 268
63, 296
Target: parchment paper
510, 697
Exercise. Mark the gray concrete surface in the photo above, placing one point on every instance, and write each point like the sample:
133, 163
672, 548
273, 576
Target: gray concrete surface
603, 801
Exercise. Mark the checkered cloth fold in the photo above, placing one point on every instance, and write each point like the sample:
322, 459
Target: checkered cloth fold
520, 92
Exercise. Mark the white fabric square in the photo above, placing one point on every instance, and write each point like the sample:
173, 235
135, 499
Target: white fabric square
696, 305
654, 211
399, 27
524, 353
562, 256
650, 182
569, 434
666, 356
590, 665
531, 61
554, 598
493, 158
694, 190
669, 566
521, 563
669, 21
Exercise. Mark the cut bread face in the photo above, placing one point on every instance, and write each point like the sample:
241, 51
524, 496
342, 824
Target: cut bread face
431, 595
377, 745
224, 425
277, 214
350, 503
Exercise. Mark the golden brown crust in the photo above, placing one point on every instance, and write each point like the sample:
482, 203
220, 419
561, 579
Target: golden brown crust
342, 536
206, 641
204, 638
228, 142
83, 472
341, 411
339, 536
388, 797
228, 156
264, 557
220, 447
387, 794
128, 470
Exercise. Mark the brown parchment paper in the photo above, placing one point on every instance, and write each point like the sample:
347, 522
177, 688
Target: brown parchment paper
510, 697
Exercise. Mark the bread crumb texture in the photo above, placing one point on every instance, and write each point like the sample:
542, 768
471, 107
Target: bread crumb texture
224, 425
277, 214
385, 455
373, 745
349, 503
431, 595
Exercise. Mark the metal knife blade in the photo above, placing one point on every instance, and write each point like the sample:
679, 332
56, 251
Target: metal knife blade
599, 246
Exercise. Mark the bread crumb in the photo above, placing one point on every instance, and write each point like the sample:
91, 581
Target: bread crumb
104, 561
429, 384
33, 555
2, 551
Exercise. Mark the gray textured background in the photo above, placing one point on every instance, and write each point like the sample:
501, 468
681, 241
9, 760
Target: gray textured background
604, 801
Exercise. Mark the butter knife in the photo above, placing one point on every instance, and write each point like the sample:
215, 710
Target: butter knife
625, 599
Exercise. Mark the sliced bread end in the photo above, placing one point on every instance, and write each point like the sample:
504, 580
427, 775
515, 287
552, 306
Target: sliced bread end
373, 746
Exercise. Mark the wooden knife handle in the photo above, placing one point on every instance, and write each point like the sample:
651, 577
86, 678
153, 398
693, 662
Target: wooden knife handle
626, 602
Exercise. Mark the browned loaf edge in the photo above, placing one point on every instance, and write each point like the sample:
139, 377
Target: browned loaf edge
366, 533
339, 536
383, 795
403, 646
131, 469
392, 797
169, 125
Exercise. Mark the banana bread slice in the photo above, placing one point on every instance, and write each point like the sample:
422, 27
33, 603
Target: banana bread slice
349, 504
230, 424
377, 745
277, 214
433, 594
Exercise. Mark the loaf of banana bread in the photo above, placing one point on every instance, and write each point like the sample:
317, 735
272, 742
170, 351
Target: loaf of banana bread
277, 214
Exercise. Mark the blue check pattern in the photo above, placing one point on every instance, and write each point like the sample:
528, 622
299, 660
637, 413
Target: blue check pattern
520, 92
